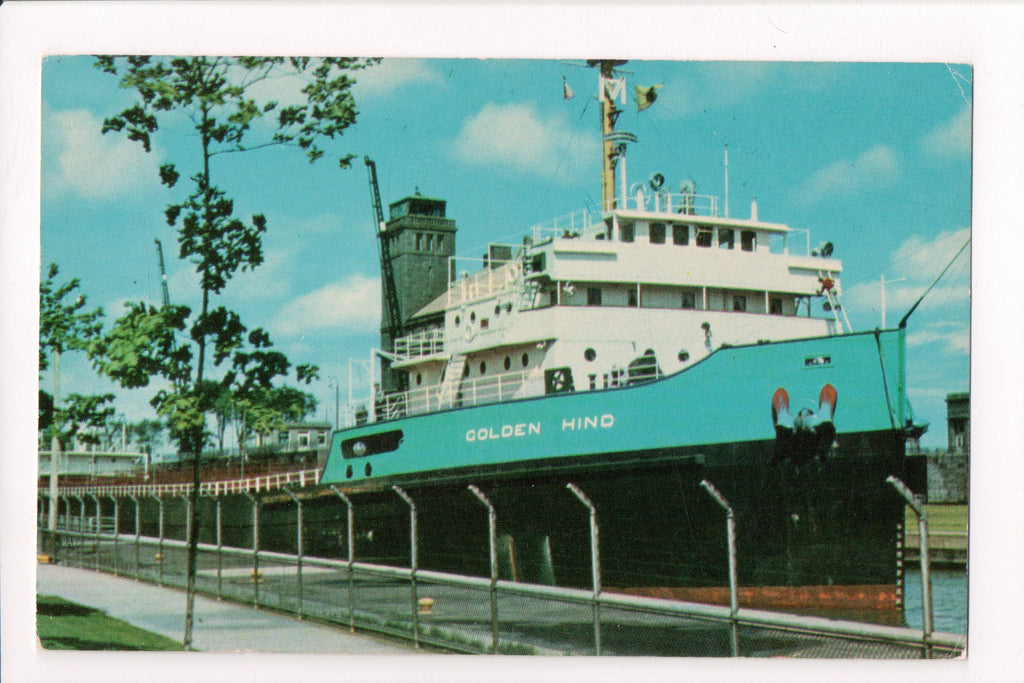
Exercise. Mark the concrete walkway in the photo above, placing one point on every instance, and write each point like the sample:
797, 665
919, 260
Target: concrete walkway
220, 626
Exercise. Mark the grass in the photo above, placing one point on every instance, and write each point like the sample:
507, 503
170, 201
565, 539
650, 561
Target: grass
942, 518
64, 625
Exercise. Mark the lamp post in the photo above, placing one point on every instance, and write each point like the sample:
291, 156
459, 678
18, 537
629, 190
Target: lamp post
902, 279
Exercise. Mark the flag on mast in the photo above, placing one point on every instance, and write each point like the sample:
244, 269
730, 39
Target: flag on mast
567, 92
646, 95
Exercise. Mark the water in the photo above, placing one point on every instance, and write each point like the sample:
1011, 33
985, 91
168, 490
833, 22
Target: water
949, 600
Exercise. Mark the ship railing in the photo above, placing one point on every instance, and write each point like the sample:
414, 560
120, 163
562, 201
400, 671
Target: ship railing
427, 343
568, 225
685, 203
493, 389
485, 283
266, 482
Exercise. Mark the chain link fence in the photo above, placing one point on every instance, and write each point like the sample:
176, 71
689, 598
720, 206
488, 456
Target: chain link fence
460, 613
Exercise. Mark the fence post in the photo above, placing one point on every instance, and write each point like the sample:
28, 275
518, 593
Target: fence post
413, 563
160, 543
351, 559
99, 520
138, 531
219, 545
298, 543
492, 543
926, 577
81, 531
255, 549
730, 531
117, 521
595, 562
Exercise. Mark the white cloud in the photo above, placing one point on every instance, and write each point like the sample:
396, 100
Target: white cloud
952, 138
877, 165
90, 164
391, 74
350, 305
515, 136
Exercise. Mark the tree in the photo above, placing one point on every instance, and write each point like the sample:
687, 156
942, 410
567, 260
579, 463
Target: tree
65, 325
220, 99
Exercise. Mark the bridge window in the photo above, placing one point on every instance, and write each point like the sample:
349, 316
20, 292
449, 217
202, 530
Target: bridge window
689, 300
726, 238
631, 297
593, 296
419, 241
657, 233
775, 306
703, 237
748, 240
627, 232
739, 303
681, 235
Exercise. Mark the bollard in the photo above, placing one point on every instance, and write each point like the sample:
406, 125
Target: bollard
492, 543
413, 563
351, 559
730, 530
595, 562
926, 578
298, 544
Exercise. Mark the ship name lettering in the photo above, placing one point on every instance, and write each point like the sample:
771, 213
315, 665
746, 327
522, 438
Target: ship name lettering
590, 422
503, 432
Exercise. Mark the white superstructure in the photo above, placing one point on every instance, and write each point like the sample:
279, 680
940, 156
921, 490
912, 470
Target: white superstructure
595, 301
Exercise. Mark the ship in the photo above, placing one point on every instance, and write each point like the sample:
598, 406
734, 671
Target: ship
629, 352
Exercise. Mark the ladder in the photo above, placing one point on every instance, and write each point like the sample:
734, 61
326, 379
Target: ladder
452, 380
833, 301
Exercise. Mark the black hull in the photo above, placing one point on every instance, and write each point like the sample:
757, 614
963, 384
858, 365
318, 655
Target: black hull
821, 536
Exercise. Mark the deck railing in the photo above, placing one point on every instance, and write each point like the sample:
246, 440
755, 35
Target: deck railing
427, 343
493, 389
264, 482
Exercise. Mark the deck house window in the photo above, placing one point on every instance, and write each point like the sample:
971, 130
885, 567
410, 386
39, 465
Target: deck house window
726, 238
775, 306
657, 233
748, 240
689, 300
419, 241
703, 237
627, 232
739, 303
681, 235
631, 297
593, 296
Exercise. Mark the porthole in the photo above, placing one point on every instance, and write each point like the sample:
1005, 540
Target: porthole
368, 469
458, 321
483, 367
419, 378
683, 356
497, 310
590, 354
472, 317
508, 363
526, 359
508, 308
348, 472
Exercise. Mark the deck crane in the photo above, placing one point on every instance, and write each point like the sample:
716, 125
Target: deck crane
393, 323
163, 272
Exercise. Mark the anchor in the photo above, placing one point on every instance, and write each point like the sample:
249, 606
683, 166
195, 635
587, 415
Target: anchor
807, 435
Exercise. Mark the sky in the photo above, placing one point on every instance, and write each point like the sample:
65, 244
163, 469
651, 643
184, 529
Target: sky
874, 157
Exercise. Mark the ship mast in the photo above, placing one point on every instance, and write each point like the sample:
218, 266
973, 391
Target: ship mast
613, 143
